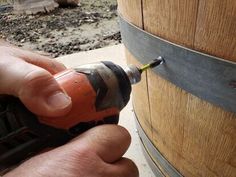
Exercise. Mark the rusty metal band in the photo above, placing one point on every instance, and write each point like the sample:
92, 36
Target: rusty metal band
207, 77
155, 159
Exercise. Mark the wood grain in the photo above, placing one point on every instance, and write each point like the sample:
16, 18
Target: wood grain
174, 20
167, 118
196, 137
199, 139
189, 131
216, 28
132, 11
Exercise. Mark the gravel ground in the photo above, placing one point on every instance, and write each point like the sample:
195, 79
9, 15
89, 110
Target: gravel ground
91, 25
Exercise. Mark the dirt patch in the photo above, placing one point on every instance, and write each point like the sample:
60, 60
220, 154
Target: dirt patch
93, 24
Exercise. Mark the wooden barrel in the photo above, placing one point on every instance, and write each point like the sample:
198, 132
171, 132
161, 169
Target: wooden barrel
196, 137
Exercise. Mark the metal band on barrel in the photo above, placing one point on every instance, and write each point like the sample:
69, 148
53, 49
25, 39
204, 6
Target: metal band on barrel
154, 157
207, 77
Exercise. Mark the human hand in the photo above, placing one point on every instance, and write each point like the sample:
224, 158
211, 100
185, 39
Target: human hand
96, 153
29, 76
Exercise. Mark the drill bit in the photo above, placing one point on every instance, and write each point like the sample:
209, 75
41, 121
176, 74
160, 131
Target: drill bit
152, 64
134, 73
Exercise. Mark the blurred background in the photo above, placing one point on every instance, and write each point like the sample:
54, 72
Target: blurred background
61, 27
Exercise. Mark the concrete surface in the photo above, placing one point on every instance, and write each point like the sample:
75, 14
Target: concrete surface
116, 55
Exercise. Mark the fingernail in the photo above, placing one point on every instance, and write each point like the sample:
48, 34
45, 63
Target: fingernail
59, 100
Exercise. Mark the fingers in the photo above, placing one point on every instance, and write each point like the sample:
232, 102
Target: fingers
47, 63
123, 168
109, 142
35, 86
85, 156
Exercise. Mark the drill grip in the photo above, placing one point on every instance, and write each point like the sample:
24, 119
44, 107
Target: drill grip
22, 135
98, 92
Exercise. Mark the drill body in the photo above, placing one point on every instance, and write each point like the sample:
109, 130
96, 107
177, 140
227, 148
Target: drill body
98, 91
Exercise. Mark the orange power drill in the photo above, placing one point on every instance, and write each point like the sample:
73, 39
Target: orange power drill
99, 91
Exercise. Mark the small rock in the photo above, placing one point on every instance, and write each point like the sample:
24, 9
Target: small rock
76, 47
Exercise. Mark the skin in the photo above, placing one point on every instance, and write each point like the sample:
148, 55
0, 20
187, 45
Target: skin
96, 153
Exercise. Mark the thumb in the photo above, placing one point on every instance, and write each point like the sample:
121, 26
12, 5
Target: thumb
36, 88
109, 142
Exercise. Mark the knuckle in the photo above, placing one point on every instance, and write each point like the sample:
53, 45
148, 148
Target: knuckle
118, 131
122, 134
35, 79
35, 76
111, 135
